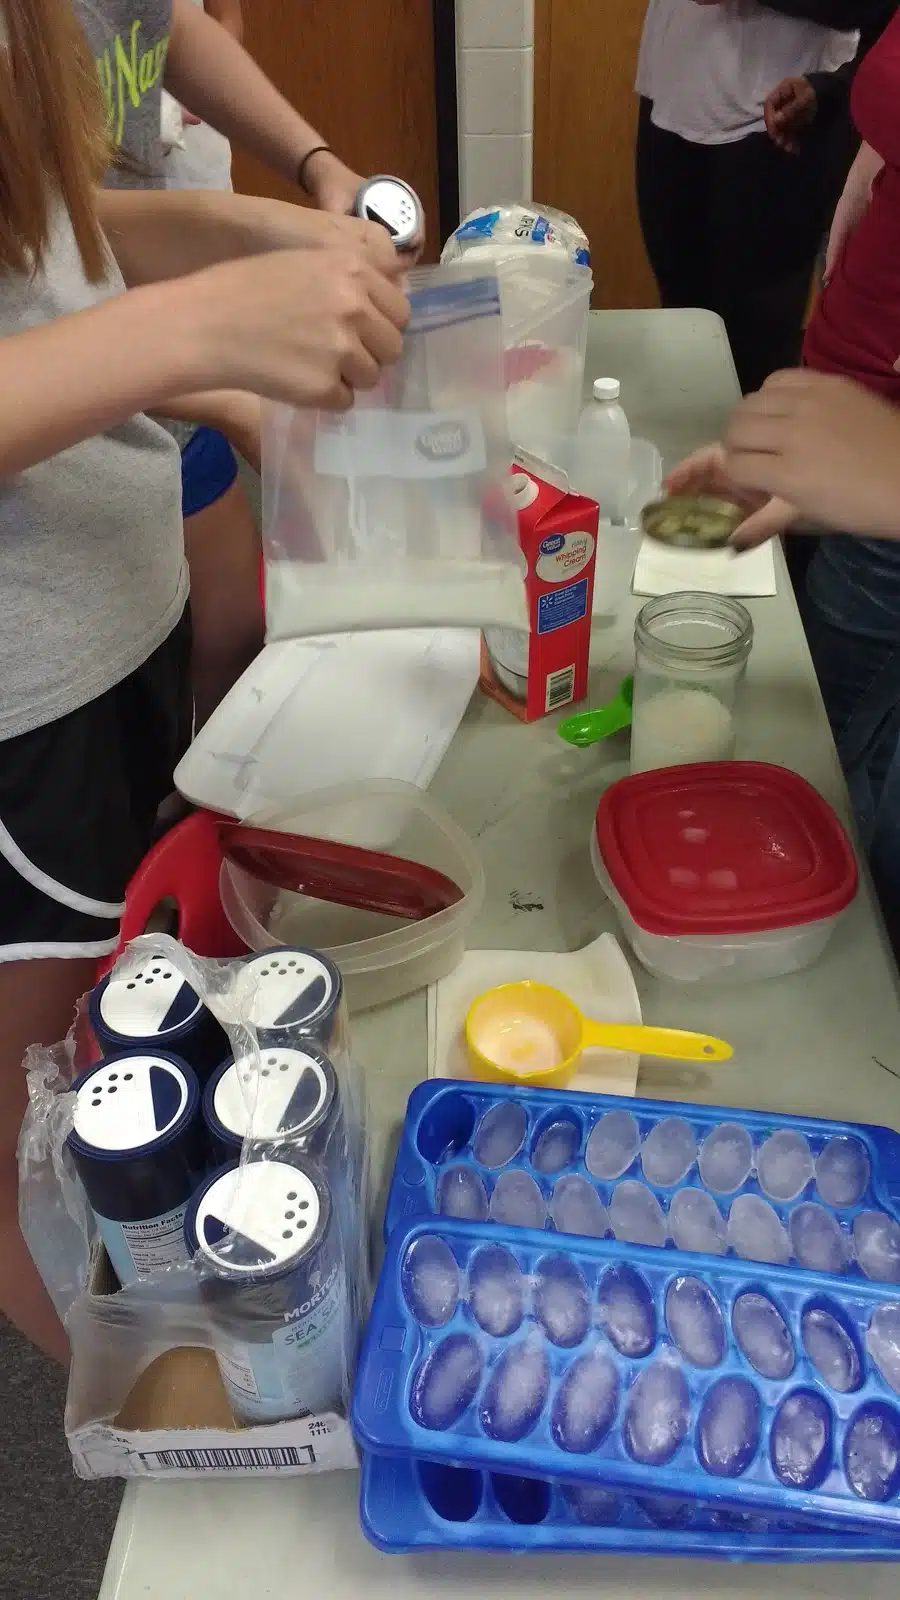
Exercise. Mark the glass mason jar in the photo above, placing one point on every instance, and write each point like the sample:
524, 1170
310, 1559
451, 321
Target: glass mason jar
690, 654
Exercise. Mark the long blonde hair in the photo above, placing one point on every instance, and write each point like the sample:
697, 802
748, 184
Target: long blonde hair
51, 134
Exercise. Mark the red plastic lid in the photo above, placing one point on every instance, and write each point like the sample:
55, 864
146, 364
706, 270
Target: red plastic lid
724, 847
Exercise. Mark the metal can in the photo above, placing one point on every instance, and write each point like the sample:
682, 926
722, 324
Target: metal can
294, 994
137, 1147
392, 203
152, 1006
289, 1100
692, 522
265, 1238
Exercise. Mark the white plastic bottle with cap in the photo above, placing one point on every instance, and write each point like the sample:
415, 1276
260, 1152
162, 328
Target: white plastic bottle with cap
603, 451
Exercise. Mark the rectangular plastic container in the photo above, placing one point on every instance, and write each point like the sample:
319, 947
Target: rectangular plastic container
545, 301
407, 1504
729, 871
654, 1172
381, 957
698, 958
608, 1365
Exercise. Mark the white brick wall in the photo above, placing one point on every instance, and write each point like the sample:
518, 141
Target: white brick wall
495, 55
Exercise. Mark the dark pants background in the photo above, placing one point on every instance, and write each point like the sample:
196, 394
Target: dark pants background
851, 613
736, 229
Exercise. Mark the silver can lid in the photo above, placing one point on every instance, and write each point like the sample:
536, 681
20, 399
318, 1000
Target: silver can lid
393, 204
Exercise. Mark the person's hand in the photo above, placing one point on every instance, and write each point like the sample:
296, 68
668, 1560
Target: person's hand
333, 188
330, 184
305, 327
828, 445
791, 107
708, 472
278, 225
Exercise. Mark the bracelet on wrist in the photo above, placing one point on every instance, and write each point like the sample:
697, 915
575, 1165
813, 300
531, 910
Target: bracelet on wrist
317, 150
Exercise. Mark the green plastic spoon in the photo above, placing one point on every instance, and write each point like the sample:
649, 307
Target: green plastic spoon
589, 727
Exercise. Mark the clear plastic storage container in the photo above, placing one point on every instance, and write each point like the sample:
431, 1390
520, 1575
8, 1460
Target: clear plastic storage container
382, 955
729, 871
544, 307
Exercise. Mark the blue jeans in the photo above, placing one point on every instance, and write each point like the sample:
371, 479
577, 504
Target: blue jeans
851, 612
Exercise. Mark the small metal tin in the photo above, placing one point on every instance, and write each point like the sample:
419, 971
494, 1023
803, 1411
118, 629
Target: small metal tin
692, 522
393, 204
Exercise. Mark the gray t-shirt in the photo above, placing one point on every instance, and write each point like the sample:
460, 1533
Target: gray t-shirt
129, 40
92, 568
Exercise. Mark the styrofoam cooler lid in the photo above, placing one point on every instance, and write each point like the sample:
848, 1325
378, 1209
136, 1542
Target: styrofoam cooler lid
310, 714
257, 1218
288, 1093
132, 1103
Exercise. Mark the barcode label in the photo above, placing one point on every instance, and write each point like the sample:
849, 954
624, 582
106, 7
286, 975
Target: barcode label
560, 688
232, 1459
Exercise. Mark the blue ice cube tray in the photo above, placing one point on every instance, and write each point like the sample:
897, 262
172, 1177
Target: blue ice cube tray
823, 1196
512, 1351
420, 1505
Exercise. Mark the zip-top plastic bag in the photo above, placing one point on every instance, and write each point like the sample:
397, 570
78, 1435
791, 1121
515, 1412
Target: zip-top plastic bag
394, 514
232, 1200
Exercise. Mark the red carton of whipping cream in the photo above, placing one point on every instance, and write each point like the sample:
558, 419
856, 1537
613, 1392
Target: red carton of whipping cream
546, 668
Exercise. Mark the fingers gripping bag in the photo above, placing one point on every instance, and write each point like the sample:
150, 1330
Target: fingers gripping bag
394, 514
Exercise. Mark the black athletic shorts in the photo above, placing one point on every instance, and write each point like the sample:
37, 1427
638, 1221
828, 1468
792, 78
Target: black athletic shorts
78, 801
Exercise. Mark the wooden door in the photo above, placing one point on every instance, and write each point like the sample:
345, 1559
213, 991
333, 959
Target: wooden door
362, 72
585, 114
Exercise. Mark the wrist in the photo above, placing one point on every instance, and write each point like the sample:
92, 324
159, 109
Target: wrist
322, 170
195, 339
316, 160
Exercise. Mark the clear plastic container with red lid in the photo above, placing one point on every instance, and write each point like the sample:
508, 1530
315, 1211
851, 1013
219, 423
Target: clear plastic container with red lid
730, 871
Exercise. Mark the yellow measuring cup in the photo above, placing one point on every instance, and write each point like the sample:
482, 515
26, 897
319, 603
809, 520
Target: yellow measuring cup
529, 1033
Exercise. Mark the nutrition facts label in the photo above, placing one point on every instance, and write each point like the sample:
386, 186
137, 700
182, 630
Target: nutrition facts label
152, 1245
236, 1370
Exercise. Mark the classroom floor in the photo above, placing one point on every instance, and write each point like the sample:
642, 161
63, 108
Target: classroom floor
55, 1530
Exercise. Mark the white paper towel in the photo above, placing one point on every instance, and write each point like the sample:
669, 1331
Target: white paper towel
661, 569
598, 979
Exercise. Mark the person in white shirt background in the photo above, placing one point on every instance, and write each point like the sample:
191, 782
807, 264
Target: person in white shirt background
200, 158
733, 222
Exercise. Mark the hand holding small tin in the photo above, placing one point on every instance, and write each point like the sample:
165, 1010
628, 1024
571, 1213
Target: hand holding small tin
707, 472
827, 444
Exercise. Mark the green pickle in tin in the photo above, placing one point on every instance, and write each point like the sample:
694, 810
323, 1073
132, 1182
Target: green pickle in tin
692, 522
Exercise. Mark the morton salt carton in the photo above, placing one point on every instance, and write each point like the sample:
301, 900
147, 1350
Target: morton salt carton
546, 668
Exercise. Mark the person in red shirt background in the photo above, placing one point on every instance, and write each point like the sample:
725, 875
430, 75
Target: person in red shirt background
851, 600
